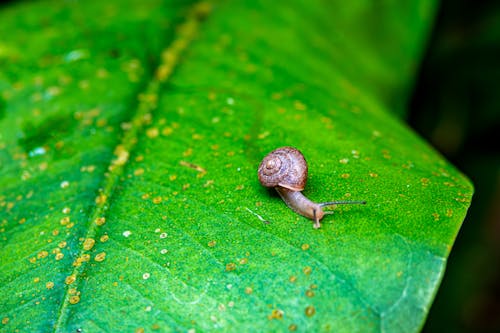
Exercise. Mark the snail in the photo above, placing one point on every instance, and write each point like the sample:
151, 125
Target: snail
285, 169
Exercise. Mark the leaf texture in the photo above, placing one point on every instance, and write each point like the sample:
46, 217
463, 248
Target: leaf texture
130, 137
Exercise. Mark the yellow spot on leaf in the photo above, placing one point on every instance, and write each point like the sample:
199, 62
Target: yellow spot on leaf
122, 156
87, 168
42, 254
100, 257
163, 72
102, 73
138, 172
166, 131
83, 258
307, 270
88, 244
298, 105
101, 122
263, 135
152, 132
101, 198
100, 220
310, 311
74, 299
65, 220
230, 267
70, 279
275, 314
277, 95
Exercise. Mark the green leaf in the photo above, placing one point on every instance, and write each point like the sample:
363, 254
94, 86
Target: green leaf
131, 133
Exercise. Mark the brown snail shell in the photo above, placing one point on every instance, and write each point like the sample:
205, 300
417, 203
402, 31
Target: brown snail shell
285, 167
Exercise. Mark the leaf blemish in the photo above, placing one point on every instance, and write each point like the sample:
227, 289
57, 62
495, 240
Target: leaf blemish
310, 311
276, 314
100, 257
74, 299
152, 132
257, 215
230, 267
100, 220
88, 244
193, 166
309, 293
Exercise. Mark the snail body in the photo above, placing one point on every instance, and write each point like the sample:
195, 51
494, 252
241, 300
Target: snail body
285, 169
300, 204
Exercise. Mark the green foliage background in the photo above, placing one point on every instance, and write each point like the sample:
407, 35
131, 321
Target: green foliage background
130, 138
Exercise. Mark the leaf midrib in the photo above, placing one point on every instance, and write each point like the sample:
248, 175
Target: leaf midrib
147, 103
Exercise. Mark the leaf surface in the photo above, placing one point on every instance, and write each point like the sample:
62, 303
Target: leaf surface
131, 133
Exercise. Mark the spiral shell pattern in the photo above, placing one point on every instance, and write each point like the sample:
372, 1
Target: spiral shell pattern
285, 167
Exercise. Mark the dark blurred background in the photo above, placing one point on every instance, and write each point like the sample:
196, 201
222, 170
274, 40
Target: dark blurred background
456, 107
